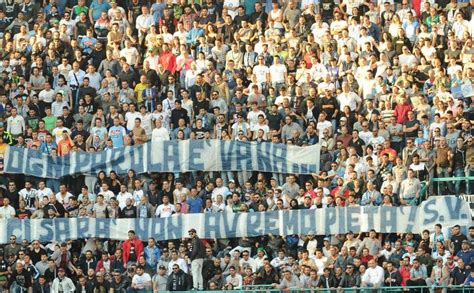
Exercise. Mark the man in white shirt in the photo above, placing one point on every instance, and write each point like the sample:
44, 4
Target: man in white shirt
58, 105
323, 124
160, 133
175, 260
63, 196
130, 117
59, 130
373, 277
29, 195
234, 279
75, 77
130, 53
62, 284
143, 23
47, 94
261, 71
348, 98
141, 281
252, 116
164, 210
7, 211
43, 190
278, 73
123, 195
15, 123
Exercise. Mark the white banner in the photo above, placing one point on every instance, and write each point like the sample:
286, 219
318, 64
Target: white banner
447, 211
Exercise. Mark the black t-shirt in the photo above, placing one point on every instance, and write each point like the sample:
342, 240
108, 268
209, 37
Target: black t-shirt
200, 132
177, 114
14, 198
358, 146
409, 124
102, 287
3, 266
36, 256
457, 241
133, 254
274, 121
82, 27
22, 278
129, 212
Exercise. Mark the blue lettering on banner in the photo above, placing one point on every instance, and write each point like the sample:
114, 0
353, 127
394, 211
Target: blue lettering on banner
102, 227
62, 230
195, 154
26, 230
453, 208
291, 223
370, 211
447, 211
411, 219
230, 225
352, 219
47, 231
388, 219
35, 163
330, 219
169, 156
255, 224
308, 221
272, 225
431, 212
83, 229
263, 162
212, 223
280, 153
244, 153
173, 227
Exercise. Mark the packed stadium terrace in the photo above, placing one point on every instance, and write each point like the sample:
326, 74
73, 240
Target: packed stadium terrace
370, 101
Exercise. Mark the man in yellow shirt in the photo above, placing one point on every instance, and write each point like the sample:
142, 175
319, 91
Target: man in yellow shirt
139, 88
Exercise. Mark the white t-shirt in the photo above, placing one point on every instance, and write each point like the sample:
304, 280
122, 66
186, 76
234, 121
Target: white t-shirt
130, 54
160, 134
232, 3
130, 118
253, 117
47, 96
164, 211
261, 72
321, 126
277, 72
141, 280
122, 199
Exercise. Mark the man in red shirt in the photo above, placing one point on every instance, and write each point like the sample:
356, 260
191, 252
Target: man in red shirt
168, 59
132, 249
402, 109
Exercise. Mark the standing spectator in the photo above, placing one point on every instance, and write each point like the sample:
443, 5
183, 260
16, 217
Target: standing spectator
198, 252
132, 249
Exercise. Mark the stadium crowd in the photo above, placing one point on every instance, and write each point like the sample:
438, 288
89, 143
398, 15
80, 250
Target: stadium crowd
385, 88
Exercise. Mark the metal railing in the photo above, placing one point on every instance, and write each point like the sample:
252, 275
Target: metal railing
451, 180
270, 288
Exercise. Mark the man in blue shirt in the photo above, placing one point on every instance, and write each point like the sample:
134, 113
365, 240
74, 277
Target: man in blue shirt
466, 253
117, 133
195, 202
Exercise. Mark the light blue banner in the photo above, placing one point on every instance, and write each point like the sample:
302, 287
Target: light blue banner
169, 156
448, 211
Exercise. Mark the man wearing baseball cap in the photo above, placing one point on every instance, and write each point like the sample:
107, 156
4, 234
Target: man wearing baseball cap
198, 253
62, 283
160, 279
